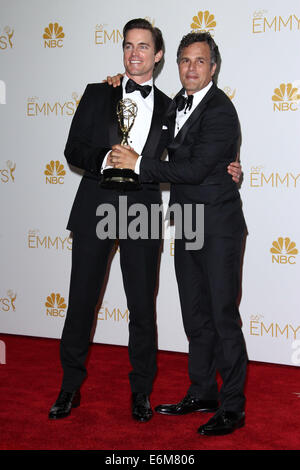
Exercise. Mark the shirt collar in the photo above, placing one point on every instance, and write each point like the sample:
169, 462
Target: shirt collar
199, 95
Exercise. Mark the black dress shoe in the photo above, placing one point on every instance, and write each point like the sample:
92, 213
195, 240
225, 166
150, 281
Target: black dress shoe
223, 422
141, 409
188, 405
64, 403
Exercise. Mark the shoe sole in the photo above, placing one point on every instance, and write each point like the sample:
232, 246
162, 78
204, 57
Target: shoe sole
63, 415
222, 433
141, 420
203, 410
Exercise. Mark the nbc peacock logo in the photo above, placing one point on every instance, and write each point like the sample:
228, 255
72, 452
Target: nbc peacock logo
53, 36
284, 251
285, 98
229, 92
204, 21
55, 172
151, 20
56, 305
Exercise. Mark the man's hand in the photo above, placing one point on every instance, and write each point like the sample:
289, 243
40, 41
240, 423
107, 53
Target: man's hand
115, 80
122, 156
235, 170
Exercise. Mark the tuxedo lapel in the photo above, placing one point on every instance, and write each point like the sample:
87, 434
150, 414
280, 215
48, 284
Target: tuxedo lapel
171, 117
156, 124
195, 115
113, 126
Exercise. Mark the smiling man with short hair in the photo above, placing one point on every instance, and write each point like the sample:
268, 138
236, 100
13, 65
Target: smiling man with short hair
93, 132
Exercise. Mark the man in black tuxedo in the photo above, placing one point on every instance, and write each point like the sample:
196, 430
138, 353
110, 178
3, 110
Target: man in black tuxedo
204, 138
93, 132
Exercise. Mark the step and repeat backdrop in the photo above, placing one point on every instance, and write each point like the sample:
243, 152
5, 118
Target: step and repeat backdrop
49, 51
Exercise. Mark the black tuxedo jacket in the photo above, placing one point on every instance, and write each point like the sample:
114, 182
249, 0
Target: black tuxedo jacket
93, 131
198, 160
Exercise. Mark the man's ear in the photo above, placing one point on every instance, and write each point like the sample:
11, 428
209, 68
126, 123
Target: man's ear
158, 56
213, 69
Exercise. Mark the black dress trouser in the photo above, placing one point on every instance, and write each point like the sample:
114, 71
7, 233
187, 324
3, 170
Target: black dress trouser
208, 283
139, 265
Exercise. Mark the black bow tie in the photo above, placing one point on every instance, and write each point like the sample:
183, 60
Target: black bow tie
132, 86
184, 103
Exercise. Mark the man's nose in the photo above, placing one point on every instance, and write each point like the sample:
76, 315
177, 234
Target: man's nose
192, 65
134, 51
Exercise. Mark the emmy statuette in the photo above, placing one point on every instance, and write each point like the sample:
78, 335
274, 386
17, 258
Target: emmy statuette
123, 178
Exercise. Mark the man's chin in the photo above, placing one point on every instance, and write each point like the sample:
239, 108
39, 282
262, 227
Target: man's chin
191, 91
134, 71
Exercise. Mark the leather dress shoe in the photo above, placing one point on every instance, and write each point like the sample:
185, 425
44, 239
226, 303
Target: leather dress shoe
141, 409
223, 422
188, 405
64, 403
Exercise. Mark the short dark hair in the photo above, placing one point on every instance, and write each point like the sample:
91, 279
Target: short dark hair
141, 23
191, 38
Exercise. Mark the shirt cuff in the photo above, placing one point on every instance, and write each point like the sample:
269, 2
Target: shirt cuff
103, 166
137, 165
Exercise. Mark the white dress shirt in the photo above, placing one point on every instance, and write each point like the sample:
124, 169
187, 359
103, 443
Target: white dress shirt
182, 117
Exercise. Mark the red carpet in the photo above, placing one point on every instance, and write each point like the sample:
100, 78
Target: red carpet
30, 382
